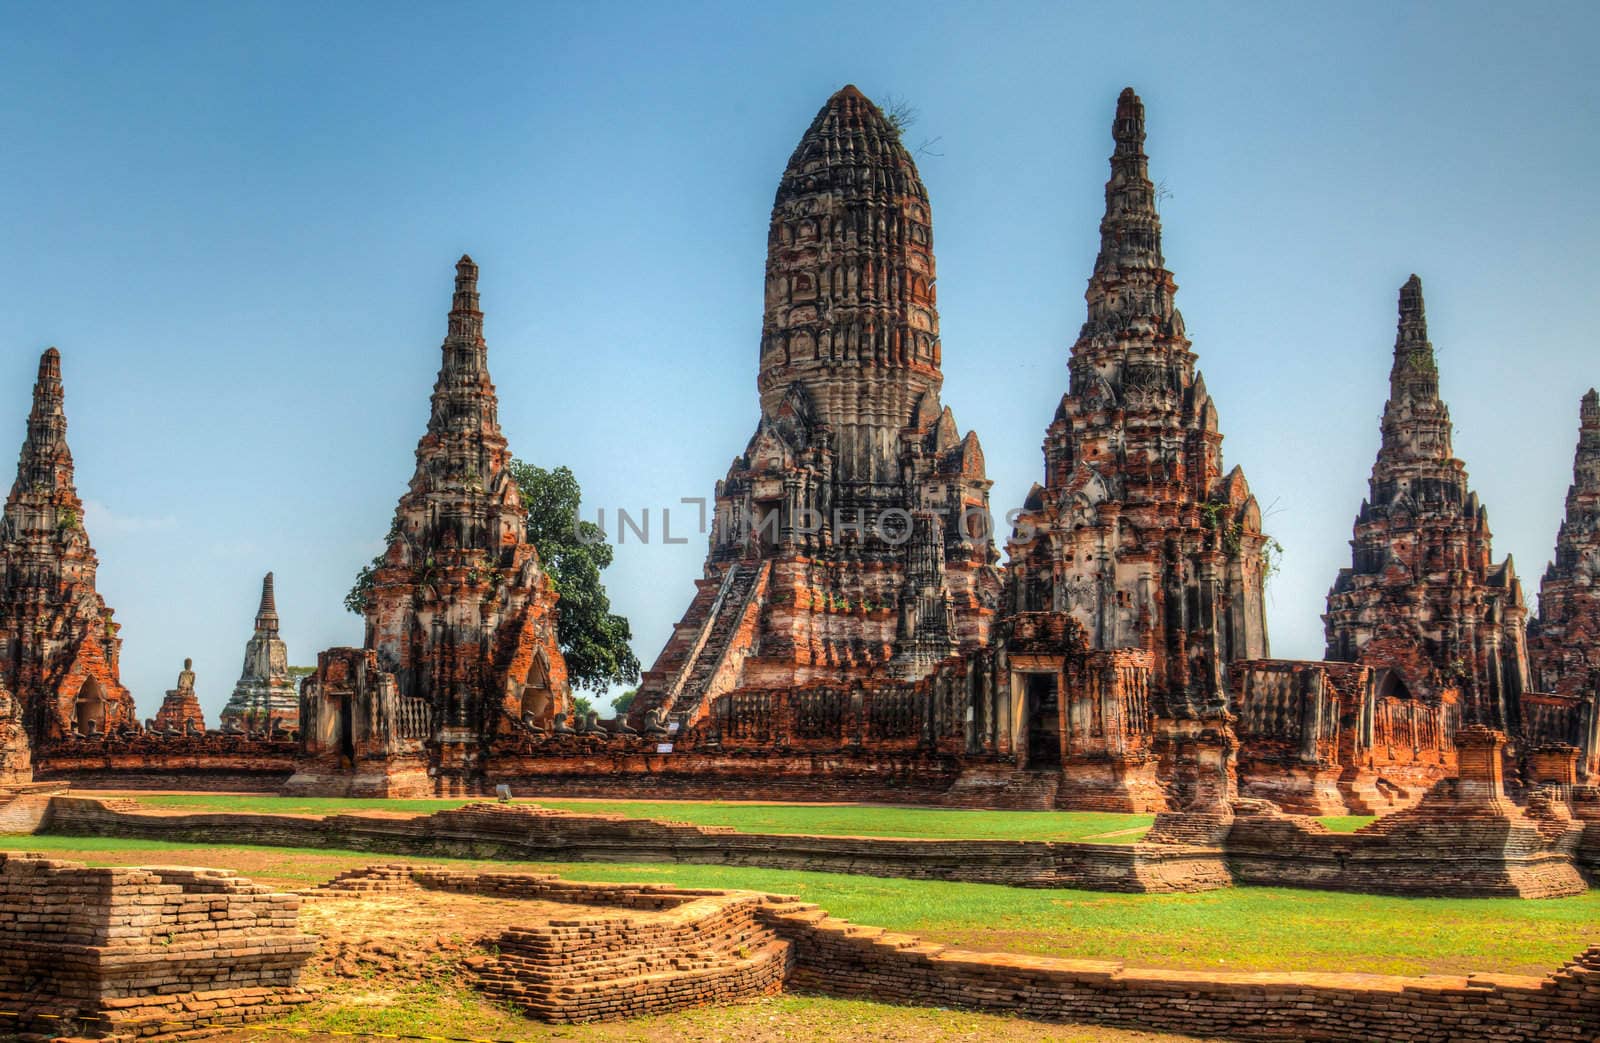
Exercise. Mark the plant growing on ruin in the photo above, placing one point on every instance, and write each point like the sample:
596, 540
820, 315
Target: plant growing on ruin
1271, 560
593, 639
899, 113
360, 595
1213, 515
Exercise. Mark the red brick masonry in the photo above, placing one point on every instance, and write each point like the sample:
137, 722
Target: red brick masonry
140, 952
720, 945
1434, 853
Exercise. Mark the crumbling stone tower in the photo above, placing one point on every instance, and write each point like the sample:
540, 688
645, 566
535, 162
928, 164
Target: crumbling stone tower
59, 647
1136, 532
264, 699
461, 612
850, 539
1423, 603
16, 752
1564, 641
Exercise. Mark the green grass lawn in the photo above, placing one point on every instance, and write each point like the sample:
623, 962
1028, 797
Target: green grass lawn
1246, 929
457, 1011
1347, 823
825, 819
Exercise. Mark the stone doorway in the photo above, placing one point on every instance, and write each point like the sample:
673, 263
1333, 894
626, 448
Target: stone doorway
1392, 686
347, 735
89, 708
537, 699
1042, 717
768, 517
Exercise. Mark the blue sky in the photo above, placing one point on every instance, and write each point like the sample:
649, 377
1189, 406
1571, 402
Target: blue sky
238, 223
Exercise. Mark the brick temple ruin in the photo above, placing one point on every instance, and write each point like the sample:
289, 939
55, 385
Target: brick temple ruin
845, 542
59, 646
264, 699
460, 650
64, 711
1564, 640
853, 636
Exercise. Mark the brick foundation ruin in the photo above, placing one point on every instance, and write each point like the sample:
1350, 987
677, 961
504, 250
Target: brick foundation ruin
567, 952
843, 959
127, 953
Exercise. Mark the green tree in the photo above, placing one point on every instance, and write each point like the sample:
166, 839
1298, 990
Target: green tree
360, 595
619, 705
594, 640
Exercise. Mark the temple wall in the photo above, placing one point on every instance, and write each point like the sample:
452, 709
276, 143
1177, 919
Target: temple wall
209, 761
1454, 847
529, 833
1431, 854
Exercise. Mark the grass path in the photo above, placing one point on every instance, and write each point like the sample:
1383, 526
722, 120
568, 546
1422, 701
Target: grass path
866, 820
458, 1012
1240, 928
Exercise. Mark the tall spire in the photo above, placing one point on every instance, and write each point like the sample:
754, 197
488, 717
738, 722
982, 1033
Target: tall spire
851, 321
267, 614
1136, 532
463, 397
60, 634
466, 321
1579, 535
1132, 313
45, 463
1586, 467
1415, 373
1130, 232
1416, 422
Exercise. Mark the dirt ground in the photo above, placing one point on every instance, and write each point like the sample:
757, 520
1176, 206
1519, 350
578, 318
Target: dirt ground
415, 935
399, 963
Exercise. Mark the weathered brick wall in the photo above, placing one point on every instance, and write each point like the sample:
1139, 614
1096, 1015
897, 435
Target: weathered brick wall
211, 761
687, 948
1432, 849
140, 950
1410, 853
528, 833
709, 950
844, 959
23, 809
577, 766
707, 946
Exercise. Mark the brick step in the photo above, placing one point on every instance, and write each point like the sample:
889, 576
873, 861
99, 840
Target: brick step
1364, 795
1004, 789
730, 611
759, 971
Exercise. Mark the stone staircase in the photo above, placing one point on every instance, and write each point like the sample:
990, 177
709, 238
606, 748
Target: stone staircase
1003, 789
1365, 795
23, 808
728, 614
